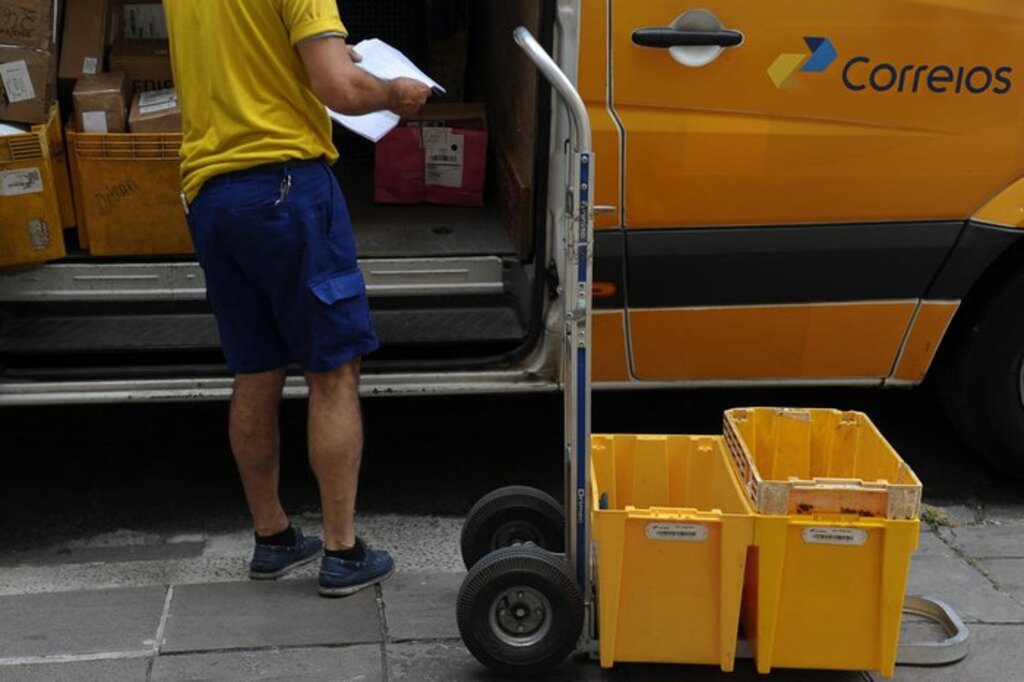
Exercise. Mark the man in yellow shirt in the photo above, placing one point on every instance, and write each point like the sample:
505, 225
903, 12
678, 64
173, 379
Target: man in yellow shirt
272, 233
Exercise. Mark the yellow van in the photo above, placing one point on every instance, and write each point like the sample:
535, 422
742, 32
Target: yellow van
791, 192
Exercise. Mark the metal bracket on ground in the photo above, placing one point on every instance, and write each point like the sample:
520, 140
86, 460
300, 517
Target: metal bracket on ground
950, 650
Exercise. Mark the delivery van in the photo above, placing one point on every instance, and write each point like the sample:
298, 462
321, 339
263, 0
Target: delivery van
789, 192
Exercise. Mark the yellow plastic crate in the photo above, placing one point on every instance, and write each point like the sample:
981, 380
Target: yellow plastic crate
826, 592
127, 193
31, 229
814, 461
672, 528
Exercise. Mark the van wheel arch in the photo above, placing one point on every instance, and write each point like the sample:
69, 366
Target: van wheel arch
979, 370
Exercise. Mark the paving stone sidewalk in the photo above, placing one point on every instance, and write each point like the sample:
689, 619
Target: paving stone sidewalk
405, 630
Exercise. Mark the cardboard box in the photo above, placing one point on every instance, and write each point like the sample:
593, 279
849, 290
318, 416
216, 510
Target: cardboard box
439, 157
155, 111
101, 103
29, 23
28, 81
147, 63
86, 32
141, 20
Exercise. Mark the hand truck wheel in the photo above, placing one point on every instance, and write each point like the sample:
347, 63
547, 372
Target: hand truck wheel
519, 611
512, 516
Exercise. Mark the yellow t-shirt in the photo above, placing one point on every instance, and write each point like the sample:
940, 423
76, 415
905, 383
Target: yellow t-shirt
243, 90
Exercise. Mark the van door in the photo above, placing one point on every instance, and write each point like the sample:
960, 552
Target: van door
795, 171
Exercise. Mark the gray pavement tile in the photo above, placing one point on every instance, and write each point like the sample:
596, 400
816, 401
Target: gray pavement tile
931, 544
958, 584
94, 621
122, 670
1005, 541
254, 614
447, 661
996, 656
422, 605
361, 662
1008, 574
90, 555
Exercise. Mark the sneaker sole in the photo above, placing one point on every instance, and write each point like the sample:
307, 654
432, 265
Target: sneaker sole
255, 575
352, 589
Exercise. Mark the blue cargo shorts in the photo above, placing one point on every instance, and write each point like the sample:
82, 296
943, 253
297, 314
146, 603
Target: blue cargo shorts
275, 243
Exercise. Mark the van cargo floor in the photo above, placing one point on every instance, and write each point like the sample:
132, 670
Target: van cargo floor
419, 231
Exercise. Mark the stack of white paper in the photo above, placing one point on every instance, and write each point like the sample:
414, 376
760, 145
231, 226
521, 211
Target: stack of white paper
387, 63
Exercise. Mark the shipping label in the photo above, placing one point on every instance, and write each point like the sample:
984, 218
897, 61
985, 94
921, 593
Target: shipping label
22, 181
850, 537
445, 157
155, 101
679, 532
94, 122
17, 81
38, 234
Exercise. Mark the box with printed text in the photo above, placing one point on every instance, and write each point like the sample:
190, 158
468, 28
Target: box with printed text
439, 157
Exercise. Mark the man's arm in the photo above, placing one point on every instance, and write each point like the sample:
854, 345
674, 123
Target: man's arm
347, 89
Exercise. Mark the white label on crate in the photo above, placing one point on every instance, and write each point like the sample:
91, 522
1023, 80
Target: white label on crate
445, 156
22, 181
94, 122
38, 234
156, 101
851, 537
680, 532
89, 66
17, 81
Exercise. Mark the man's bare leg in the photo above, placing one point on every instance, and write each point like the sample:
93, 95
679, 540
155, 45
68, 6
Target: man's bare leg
256, 444
335, 449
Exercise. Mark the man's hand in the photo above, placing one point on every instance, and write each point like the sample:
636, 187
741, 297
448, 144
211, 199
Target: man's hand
407, 96
347, 89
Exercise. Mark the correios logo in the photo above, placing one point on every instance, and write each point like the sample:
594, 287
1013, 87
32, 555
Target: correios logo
866, 74
784, 70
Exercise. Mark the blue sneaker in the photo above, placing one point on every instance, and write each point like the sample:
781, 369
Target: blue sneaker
340, 577
270, 562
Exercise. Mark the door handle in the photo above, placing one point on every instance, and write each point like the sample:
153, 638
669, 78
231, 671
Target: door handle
671, 37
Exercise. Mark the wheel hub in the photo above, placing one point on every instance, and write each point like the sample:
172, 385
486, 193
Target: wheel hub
515, 533
520, 616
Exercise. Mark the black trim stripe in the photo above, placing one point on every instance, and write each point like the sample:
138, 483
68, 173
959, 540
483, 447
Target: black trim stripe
778, 265
978, 247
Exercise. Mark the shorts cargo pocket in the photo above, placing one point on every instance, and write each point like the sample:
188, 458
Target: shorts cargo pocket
341, 328
340, 287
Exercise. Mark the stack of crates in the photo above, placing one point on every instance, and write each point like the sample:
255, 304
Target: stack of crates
127, 193
836, 525
33, 191
799, 524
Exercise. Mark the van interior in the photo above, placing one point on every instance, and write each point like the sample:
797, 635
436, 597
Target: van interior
451, 286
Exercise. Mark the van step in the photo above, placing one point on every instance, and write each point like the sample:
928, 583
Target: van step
197, 332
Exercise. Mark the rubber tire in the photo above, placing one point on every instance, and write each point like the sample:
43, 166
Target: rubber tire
980, 382
513, 503
521, 565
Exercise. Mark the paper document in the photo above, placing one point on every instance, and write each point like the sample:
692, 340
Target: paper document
384, 62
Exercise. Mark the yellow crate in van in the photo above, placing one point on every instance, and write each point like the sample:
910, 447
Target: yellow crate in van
814, 461
672, 527
127, 193
31, 229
